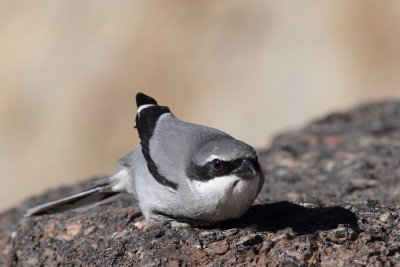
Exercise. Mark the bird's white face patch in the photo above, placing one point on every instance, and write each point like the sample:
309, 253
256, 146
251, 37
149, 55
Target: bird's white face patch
225, 197
220, 157
212, 157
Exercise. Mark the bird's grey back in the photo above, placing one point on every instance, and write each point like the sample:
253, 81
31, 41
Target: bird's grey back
174, 141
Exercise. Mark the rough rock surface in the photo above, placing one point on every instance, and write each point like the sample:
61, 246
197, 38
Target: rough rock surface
331, 198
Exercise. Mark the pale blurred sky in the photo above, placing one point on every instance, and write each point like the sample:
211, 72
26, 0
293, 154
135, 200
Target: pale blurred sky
69, 71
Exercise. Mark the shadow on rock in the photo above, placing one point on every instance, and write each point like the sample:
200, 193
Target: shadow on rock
280, 215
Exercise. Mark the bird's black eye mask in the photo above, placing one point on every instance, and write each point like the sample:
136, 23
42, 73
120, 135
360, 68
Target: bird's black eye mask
213, 169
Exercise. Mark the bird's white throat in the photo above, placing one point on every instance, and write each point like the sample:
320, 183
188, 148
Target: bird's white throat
228, 196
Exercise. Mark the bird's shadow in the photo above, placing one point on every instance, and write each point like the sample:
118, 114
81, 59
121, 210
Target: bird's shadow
303, 220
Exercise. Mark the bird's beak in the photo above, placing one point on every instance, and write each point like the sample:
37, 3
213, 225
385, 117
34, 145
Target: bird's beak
247, 170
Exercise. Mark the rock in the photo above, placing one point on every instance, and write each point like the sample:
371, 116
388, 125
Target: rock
330, 199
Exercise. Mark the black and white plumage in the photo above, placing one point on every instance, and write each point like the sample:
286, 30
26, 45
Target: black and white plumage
180, 171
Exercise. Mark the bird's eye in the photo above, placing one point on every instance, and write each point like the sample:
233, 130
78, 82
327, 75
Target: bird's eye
216, 164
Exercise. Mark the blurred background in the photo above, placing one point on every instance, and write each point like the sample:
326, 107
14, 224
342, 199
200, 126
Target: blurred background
69, 71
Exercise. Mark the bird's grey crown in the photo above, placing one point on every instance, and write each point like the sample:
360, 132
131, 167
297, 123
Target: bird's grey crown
224, 148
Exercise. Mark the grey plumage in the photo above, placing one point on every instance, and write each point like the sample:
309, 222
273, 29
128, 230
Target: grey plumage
180, 171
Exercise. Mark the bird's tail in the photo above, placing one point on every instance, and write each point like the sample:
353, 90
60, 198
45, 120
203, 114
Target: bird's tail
97, 195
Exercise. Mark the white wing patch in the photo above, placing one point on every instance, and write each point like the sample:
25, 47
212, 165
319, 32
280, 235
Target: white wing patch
140, 108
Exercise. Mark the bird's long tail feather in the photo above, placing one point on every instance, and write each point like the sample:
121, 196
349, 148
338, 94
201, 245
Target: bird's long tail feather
87, 198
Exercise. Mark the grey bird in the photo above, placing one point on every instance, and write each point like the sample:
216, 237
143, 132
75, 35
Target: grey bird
180, 172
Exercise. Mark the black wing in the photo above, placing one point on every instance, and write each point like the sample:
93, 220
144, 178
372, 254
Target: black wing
146, 121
